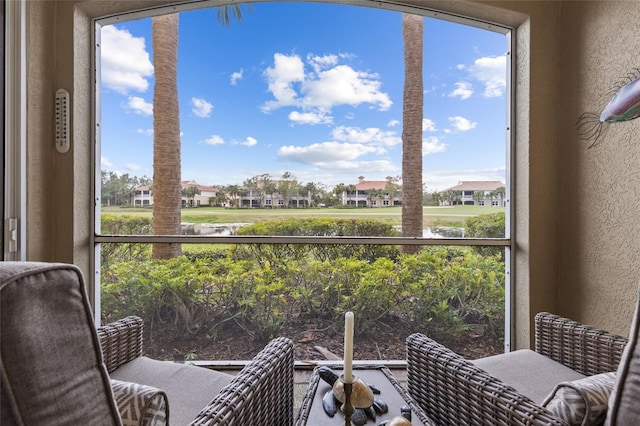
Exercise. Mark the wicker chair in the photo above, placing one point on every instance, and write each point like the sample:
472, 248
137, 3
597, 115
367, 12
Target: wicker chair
56, 369
454, 391
260, 394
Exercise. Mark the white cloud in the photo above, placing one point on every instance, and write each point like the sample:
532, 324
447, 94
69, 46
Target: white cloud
361, 167
201, 107
319, 117
371, 135
393, 123
104, 161
236, 76
146, 132
139, 106
248, 142
286, 71
318, 63
327, 85
342, 85
214, 140
492, 72
324, 152
463, 90
428, 125
124, 60
432, 145
133, 167
461, 124
337, 157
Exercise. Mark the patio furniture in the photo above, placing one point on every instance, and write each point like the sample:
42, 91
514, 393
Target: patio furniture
53, 371
391, 392
511, 388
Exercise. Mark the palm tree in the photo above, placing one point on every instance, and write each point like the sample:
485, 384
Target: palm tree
287, 186
412, 110
339, 190
351, 190
499, 193
220, 198
478, 196
312, 191
233, 191
251, 185
166, 135
191, 193
166, 128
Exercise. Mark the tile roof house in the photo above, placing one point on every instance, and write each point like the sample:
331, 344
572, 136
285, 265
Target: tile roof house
372, 193
475, 193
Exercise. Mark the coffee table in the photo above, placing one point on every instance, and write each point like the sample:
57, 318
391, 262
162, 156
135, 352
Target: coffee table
391, 392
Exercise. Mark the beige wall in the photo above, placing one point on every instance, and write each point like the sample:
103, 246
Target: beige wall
599, 230
575, 238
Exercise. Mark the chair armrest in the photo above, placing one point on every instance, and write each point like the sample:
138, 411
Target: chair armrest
453, 391
580, 347
121, 341
261, 394
140, 405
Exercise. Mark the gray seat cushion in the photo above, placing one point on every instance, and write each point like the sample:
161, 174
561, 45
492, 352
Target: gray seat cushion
624, 408
189, 388
530, 373
52, 369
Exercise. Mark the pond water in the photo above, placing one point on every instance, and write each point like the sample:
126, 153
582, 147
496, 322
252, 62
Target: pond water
224, 229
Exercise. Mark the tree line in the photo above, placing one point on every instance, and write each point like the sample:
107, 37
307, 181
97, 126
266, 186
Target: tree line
119, 190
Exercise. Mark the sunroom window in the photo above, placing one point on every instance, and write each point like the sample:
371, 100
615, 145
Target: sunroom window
257, 178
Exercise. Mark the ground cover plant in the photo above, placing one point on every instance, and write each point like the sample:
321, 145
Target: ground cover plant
226, 302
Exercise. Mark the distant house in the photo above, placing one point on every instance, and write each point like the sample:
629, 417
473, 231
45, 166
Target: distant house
373, 193
201, 198
142, 196
474, 193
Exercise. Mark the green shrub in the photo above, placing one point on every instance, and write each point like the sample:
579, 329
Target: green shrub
263, 288
323, 227
115, 224
487, 226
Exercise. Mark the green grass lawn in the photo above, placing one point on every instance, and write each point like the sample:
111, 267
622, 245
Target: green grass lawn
433, 216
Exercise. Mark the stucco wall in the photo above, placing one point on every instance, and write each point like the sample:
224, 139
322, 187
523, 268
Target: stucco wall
598, 188
575, 242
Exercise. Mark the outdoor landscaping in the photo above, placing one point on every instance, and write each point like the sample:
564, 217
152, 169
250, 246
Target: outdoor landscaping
226, 301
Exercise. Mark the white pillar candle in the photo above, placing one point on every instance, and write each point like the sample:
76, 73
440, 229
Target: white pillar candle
348, 347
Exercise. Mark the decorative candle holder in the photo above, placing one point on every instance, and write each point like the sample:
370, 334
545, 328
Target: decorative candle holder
352, 395
347, 406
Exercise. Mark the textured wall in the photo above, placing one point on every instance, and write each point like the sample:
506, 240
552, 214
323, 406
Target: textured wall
599, 188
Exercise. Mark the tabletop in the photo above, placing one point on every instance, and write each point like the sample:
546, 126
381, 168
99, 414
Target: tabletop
391, 392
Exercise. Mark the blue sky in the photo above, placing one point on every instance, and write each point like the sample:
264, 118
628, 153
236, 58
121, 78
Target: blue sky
308, 88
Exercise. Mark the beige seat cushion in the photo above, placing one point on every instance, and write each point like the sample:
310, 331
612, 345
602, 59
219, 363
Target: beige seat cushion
189, 388
530, 373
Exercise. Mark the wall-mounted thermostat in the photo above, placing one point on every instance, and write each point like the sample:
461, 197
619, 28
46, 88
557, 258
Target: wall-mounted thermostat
62, 121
